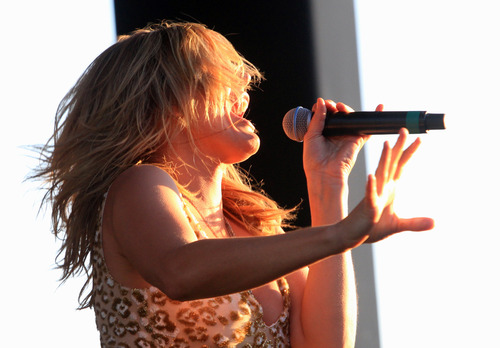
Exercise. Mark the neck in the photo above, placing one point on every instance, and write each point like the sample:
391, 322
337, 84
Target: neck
202, 178
200, 175
205, 186
206, 198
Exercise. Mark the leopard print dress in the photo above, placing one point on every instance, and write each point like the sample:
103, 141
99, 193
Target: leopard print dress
127, 317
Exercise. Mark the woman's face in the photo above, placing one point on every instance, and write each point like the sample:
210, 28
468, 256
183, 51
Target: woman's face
230, 137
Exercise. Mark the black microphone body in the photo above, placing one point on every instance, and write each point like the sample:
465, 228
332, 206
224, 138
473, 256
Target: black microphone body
296, 122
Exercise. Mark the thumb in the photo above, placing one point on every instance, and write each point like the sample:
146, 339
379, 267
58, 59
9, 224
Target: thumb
416, 224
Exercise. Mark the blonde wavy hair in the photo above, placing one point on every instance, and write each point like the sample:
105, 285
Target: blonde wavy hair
125, 105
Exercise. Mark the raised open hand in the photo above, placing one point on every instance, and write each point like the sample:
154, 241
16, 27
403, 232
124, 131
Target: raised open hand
387, 174
374, 218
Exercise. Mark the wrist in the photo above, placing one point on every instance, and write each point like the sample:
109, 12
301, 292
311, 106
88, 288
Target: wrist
323, 186
327, 201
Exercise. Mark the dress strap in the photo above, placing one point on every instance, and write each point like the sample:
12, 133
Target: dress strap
193, 221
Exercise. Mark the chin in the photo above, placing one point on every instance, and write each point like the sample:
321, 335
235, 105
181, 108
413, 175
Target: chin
255, 146
245, 150
254, 143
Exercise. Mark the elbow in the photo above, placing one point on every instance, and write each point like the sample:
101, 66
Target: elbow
180, 276
176, 283
175, 292
176, 295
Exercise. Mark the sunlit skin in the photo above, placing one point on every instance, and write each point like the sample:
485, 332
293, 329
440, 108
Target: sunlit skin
338, 160
327, 163
144, 202
230, 138
153, 130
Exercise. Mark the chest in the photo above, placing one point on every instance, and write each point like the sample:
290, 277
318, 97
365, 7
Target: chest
269, 296
271, 300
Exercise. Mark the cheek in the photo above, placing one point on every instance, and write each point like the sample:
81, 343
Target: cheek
208, 128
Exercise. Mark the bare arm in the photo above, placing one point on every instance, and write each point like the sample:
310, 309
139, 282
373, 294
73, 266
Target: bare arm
324, 295
328, 309
155, 237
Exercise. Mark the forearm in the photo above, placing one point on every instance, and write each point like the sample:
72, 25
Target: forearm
214, 267
329, 305
327, 201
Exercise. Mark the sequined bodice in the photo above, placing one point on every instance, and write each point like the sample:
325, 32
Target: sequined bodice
129, 317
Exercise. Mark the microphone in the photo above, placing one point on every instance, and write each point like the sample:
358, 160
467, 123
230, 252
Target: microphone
296, 122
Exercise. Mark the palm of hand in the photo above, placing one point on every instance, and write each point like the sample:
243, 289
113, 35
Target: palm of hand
340, 156
386, 222
333, 158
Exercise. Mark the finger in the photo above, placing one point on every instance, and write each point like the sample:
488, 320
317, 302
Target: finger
405, 157
371, 189
341, 107
382, 172
318, 120
331, 105
397, 152
415, 224
371, 196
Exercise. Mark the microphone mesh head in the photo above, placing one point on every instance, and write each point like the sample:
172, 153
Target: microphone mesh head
295, 123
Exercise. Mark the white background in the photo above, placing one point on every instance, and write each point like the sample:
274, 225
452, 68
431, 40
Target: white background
439, 288
46, 45
435, 289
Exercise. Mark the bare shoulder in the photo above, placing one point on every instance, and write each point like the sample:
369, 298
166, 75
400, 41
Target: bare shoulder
143, 190
143, 222
141, 177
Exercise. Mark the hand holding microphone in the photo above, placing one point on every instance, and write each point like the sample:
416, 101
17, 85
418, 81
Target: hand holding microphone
296, 122
328, 163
